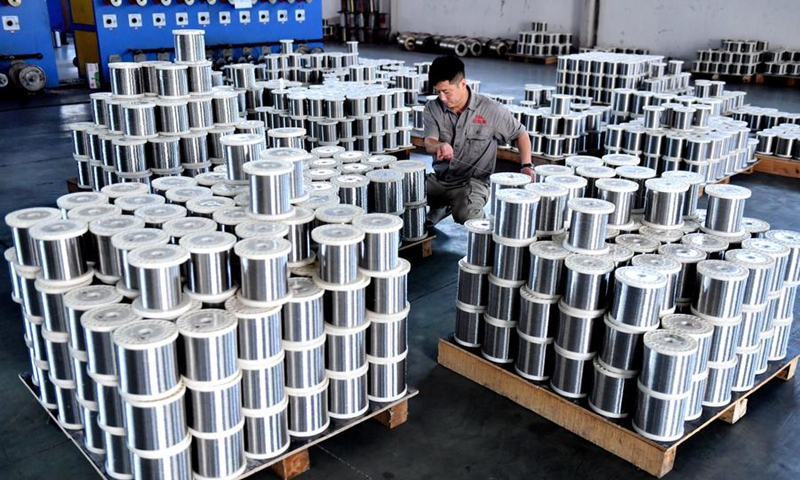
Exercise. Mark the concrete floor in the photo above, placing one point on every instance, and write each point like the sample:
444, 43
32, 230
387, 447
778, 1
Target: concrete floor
456, 429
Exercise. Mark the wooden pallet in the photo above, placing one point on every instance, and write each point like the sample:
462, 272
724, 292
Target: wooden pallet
728, 78
778, 80
289, 465
541, 60
401, 153
73, 187
616, 437
784, 167
418, 249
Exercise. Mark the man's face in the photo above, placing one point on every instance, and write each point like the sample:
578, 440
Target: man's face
452, 94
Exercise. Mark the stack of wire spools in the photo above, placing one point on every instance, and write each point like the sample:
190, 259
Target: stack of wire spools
188, 324
623, 292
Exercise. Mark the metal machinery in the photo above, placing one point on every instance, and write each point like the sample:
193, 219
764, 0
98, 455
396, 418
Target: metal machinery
236, 30
27, 60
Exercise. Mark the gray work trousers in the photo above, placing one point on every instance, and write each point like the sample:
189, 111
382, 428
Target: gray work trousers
466, 199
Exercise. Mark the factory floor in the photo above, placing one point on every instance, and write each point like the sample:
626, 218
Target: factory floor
456, 429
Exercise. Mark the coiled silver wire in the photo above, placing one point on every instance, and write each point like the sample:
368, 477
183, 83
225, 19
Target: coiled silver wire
620, 193
503, 180
503, 299
659, 417
173, 80
270, 187
546, 269
139, 119
693, 194
259, 330
534, 358
571, 373
725, 208
200, 112
80, 300
190, 45
238, 149
199, 76
663, 206
98, 325
219, 455
347, 393
267, 434
59, 248
668, 362
515, 214
264, 270
413, 180
638, 297
586, 281
414, 222
305, 363
552, 207
163, 153
720, 289
262, 383
209, 345
575, 333
760, 268
588, 226
670, 269
499, 340
385, 191
338, 252
480, 246
379, 250
147, 359
126, 79
610, 391
225, 105
302, 314
346, 349
387, 291
510, 259
129, 154
791, 240
159, 276
720, 381
308, 410
352, 189
469, 325
621, 348
688, 258
172, 116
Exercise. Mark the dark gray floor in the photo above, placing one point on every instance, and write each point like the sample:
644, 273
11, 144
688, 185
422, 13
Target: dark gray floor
457, 429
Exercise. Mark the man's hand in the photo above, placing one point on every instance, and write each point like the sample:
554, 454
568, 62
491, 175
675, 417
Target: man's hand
529, 171
444, 152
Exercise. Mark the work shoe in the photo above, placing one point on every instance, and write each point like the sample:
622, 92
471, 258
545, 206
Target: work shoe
436, 215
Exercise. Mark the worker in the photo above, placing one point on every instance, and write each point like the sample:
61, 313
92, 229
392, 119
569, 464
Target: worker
462, 129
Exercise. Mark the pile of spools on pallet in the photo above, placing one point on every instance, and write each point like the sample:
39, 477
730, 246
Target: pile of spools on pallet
681, 133
455, 45
184, 334
736, 57
538, 42
605, 288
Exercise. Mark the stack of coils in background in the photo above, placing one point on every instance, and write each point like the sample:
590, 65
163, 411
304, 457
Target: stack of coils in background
781, 140
689, 317
735, 57
596, 74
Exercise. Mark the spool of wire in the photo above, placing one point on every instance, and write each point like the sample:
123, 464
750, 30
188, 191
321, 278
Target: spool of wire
692, 195
587, 234
469, 325
147, 363
688, 258
308, 410
720, 381
638, 297
199, 77
302, 314
379, 250
262, 383
611, 391
159, 280
124, 242
238, 149
755, 227
209, 276
480, 246
781, 255
347, 393
668, 362
413, 180
338, 252
659, 417
569, 372
501, 181
297, 158
60, 248
714, 247
575, 333
225, 105
209, 345
163, 153
744, 374
98, 325
620, 193
263, 263
510, 261
352, 189
725, 209
592, 174
126, 79
552, 207
499, 340
663, 207
157, 215
790, 240
720, 287
546, 269
139, 119
387, 291
270, 188
129, 154
190, 45
621, 347
80, 300
503, 299
534, 358
266, 431
259, 331
516, 214
286, 137
385, 191
172, 116
760, 268
586, 282
670, 269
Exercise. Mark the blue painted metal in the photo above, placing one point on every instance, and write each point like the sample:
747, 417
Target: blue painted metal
56, 12
125, 40
33, 36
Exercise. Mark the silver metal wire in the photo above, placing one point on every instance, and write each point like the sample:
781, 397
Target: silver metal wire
469, 325
270, 187
611, 392
209, 345
588, 225
721, 287
267, 435
668, 362
499, 340
480, 246
302, 314
534, 358
546, 269
125, 79
308, 411
129, 155
338, 252
263, 383
658, 417
621, 194
139, 119
571, 373
173, 80
638, 297
219, 455
172, 116
575, 333
510, 260
239, 149
347, 394
472, 284
147, 360
503, 299
414, 218
264, 270
163, 153
720, 381
725, 208
388, 291
379, 250
190, 45
516, 211
385, 191
663, 207
346, 349
59, 248
586, 282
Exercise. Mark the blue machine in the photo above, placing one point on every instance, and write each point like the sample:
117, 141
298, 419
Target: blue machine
236, 30
26, 37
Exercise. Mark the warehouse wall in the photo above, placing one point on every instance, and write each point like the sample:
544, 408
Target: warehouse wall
677, 28
490, 18
330, 8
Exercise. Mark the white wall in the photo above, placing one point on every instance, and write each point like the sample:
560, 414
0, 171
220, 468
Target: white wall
330, 8
489, 18
678, 28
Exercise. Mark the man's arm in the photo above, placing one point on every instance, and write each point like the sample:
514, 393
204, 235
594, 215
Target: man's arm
443, 150
524, 147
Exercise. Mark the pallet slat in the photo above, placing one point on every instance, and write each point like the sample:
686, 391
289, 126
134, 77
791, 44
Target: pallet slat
783, 167
652, 457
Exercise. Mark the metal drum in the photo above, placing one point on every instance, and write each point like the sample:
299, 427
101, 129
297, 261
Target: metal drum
266, 432
209, 345
663, 206
387, 378
381, 242
308, 410
534, 357
147, 359
156, 424
262, 383
338, 252
345, 305
159, 281
264, 271
552, 207
302, 312
612, 391
721, 288
725, 209
586, 282
587, 234
347, 393
571, 373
